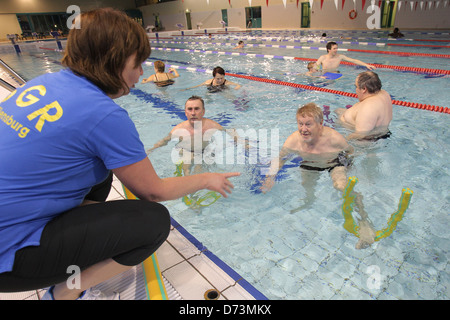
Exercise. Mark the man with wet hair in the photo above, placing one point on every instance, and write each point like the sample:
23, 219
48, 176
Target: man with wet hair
330, 62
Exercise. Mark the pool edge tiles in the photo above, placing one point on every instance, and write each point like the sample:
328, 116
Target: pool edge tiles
226, 280
182, 254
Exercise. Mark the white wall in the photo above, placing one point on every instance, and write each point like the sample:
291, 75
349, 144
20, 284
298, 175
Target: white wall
276, 16
9, 25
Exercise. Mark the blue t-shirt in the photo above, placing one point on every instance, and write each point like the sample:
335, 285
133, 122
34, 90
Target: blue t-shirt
59, 136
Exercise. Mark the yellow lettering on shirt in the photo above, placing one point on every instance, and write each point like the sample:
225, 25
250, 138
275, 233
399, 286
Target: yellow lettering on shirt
30, 99
45, 116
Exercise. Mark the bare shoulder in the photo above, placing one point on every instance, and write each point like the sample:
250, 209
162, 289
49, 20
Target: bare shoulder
292, 141
211, 124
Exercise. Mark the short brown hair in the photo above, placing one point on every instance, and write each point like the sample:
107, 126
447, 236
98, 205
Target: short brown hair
218, 70
369, 80
98, 50
193, 98
159, 65
311, 109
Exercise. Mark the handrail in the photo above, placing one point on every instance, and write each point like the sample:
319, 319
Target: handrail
12, 73
7, 85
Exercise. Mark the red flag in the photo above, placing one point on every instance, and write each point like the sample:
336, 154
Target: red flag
229, 2
363, 4
297, 3
321, 4
343, 1
267, 2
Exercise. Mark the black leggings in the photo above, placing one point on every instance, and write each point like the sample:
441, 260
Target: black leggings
128, 231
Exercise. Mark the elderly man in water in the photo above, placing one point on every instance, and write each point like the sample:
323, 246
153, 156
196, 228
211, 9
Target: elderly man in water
371, 115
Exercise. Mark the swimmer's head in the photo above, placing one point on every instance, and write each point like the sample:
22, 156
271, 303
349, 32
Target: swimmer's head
330, 45
193, 98
369, 80
159, 66
311, 110
311, 65
218, 70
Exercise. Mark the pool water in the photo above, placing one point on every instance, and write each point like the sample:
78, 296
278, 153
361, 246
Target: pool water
290, 243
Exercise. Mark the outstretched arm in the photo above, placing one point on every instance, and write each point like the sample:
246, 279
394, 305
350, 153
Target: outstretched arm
141, 179
358, 62
275, 166
164, 141
149, 79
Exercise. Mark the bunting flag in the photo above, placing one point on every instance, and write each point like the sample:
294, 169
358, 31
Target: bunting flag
284, 2
229, 2
436, 4
399, 5
267, 2
321, 4
343, 1
297, 3
310, 3
336, 3
250, 3
411, 5
354, 4
207, 1
363, 4
421, 5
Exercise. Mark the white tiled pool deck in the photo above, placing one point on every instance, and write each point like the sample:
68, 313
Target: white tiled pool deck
188, 269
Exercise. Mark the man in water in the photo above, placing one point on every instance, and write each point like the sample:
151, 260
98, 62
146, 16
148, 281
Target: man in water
371, 115
194, 134
330, 62
320, 147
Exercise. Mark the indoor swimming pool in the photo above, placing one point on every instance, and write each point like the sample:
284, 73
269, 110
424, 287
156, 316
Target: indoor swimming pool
290, 243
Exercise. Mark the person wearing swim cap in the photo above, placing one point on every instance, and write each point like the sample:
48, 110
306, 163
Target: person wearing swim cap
371, 115
55, 176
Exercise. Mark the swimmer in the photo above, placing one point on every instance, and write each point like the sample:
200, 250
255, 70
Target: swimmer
396, 34
218, 82
240, 45
162, 78
321, 148
371, 116
312, 71
187, 131
330, 62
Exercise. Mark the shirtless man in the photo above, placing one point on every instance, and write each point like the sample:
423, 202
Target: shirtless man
331, 61
194, 134
321, 148
371, 116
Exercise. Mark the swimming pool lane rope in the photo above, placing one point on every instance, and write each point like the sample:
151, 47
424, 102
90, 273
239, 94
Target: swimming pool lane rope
313, 88
288, 39
397, 68
399, 53
343, 93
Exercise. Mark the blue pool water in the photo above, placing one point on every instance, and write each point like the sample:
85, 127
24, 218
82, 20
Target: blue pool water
290, 242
